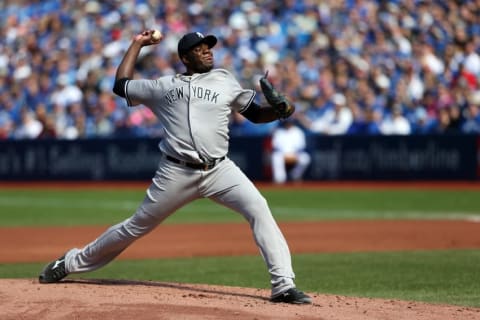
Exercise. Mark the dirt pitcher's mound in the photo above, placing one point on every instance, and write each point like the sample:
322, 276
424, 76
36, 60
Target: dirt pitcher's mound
141, 300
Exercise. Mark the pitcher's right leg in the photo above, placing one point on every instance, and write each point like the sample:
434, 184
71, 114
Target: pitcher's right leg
173, 186
97, 253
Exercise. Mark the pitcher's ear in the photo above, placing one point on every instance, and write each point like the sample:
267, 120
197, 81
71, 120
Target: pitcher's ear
184, 58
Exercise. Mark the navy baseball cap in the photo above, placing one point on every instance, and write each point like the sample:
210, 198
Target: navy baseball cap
193, 39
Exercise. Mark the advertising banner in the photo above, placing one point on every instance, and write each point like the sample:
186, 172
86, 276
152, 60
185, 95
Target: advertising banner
437, 157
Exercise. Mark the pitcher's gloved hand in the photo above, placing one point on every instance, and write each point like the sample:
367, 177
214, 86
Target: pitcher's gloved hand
278, 101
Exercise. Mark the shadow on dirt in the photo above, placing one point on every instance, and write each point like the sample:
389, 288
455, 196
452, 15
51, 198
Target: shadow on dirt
179, 286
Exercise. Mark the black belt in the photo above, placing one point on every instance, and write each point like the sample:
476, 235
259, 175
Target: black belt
198, 166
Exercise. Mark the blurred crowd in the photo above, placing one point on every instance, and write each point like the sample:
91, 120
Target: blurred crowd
350, 67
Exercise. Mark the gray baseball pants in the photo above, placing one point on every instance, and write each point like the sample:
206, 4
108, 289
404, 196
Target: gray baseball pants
174, 186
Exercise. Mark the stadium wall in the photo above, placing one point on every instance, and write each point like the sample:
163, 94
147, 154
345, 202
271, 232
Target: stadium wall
397, 158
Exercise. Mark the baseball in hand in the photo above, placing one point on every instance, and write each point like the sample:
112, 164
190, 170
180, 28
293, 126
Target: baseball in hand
156, 35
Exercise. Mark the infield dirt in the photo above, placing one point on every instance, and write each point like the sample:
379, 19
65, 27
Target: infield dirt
117, 299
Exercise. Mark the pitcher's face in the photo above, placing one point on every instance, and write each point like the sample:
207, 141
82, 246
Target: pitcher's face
199, 59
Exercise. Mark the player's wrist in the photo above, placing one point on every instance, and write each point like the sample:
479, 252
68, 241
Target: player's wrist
136, 43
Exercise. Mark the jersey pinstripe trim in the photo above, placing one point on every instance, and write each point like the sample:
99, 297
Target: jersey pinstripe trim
127, 98
248, 104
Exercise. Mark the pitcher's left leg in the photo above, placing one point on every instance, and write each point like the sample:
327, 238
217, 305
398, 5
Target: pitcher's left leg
229, 186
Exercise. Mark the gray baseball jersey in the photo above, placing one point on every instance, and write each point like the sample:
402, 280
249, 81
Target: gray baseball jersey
194, 111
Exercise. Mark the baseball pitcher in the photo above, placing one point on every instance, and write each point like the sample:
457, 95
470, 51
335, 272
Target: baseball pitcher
194, 109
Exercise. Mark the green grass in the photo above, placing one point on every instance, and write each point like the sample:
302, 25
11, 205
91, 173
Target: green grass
433, 276
90, 207
437, 276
